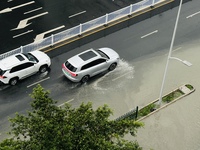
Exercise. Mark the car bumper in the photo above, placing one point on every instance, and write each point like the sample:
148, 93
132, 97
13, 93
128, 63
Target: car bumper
70, 77
2, 82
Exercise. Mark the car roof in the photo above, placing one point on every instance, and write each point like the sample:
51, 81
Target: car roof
9, 62
83, 58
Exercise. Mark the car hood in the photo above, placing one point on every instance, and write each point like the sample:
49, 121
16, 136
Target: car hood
110, 53
40, 55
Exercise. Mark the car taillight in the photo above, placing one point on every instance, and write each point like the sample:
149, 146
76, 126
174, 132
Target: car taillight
3, 77
73, 74
63, 66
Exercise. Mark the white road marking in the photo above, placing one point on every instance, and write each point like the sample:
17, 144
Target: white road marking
190, 16
120, 76
38, 82
23, 33
32, 10
65, 103
10, 9
77, 14
9, 1
39, 37
149, 34
176, 49
23, 23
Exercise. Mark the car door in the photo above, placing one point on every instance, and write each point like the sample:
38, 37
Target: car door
29, 68
98, 66
17, 71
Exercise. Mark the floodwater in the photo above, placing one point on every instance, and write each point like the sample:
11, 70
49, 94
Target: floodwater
177, 126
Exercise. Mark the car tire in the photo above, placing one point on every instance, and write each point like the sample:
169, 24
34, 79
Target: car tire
13, 81
43, 69
85, 79
112, 66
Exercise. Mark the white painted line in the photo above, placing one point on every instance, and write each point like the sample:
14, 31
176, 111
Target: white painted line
23, 5
39, 37
22, 33
149, 34
120, 76
23, 23
9, 1
190, 16
77, 14
176, 49
10, 9
65, 103
33, 10
38, 82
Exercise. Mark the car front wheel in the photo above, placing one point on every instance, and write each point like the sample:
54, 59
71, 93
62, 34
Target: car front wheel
112, 67
13, 81
43, 68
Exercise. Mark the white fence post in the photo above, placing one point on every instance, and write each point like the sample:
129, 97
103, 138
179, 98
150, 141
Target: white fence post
106, 21
21, 47
152, 5
131, 9
80, 30
52, 41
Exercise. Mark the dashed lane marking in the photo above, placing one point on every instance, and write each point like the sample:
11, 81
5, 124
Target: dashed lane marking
121, 76
149, 34
38, 82
177, 49
22, 33
77, 14
32, 10
190, 16
65, 103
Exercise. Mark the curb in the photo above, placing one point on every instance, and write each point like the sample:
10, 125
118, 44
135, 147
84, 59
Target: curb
183, 88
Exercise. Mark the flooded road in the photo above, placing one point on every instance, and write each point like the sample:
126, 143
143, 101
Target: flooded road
177, 126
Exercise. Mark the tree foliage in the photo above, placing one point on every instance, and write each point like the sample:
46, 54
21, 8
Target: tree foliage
49, 127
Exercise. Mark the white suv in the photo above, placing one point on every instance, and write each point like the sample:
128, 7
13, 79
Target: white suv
22, 65
90, 63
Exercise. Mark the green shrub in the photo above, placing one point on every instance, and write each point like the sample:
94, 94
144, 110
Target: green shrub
146, 110
189, 86
171, 96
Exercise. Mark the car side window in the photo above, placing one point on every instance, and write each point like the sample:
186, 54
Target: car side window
21, 67
93, 63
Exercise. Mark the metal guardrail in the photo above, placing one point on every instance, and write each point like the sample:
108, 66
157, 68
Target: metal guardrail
129, 115
82, 28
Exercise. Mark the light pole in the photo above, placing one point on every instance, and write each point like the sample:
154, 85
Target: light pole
169, 55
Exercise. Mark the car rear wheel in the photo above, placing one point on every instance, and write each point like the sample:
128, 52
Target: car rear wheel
85, 79
13, 81
112, 67
43, 68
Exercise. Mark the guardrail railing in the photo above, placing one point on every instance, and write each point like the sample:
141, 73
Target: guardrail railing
82, 28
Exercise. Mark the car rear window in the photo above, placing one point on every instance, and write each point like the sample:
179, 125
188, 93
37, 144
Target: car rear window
87, 55
2, 72
70, 67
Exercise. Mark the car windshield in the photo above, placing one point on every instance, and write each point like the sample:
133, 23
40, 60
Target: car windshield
30, 57
102, 54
